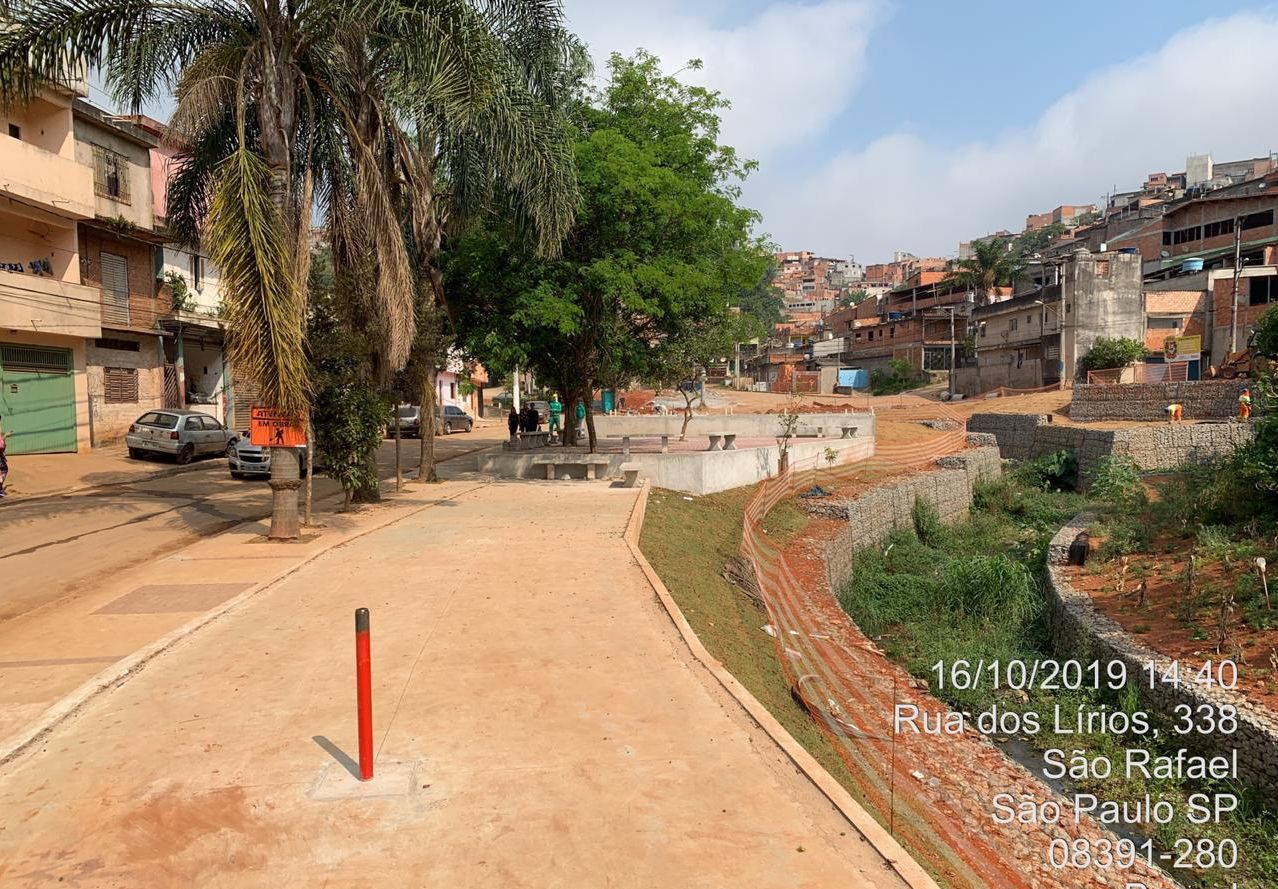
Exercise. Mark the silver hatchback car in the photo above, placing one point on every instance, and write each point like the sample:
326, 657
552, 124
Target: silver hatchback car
180, 434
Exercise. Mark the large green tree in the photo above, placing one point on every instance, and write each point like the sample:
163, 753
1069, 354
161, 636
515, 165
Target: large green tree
660, 248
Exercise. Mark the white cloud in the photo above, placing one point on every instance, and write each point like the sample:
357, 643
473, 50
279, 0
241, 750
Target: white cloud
788, 71
1205, 90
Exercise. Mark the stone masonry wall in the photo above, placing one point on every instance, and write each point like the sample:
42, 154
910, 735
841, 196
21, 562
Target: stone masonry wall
1167, 446
1079, 627
872, 516
1202, 399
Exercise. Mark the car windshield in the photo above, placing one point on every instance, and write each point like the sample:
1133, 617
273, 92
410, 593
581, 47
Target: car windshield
406, 412
162, 421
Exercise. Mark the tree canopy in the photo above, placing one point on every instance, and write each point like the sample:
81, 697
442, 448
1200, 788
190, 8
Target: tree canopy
659, 251
992, 265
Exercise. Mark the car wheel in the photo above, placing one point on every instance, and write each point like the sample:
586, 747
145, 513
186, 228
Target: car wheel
470, 426
448, 428
136, 453
235, 474
230, 450
186, 455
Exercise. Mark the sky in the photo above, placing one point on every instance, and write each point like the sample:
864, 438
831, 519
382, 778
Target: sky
883, 125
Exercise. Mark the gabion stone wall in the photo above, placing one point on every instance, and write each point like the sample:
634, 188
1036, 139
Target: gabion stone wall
1202, 400
872, 516
1079, 626
1163, 446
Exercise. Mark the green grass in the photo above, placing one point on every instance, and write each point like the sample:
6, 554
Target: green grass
688, 543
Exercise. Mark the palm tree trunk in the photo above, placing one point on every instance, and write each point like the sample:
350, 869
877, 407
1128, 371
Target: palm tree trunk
426, 470
285, 482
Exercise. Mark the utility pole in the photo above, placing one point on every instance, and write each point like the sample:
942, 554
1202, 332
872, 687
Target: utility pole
516, 388
952, 351
1233, 322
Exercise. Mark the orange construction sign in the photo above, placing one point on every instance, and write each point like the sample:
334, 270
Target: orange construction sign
271, 428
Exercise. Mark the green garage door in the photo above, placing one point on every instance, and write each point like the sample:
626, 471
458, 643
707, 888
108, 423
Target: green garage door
37, 399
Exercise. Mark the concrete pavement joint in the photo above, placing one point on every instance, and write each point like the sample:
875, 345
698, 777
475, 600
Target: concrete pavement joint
870, 830
119, 672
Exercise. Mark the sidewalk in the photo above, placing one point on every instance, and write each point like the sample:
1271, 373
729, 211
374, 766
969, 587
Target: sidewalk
538, 722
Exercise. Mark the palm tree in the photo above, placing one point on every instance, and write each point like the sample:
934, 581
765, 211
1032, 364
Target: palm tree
992, 266
283, 103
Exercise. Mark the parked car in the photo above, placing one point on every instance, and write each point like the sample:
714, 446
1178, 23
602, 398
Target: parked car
248, 459
409, 418
180, 434
455, 419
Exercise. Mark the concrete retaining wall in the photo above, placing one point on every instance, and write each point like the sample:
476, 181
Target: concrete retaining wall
745, 425
694, 472
1202, 399
874, 515
1080, 630
1167, 446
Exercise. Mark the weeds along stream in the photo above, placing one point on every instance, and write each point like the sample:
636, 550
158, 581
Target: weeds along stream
973, 592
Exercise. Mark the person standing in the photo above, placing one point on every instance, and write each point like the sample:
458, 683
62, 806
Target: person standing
4, 461
534, 418
512, 421
556, 412
581, 418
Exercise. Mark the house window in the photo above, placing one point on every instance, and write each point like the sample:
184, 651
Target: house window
1216, 229
15, 131
1066, 308
197, 271
1102, 268
1262, 290
1257, 220
120, 385
118, 345
1011, 325
1167, 239
452, 391
110, 174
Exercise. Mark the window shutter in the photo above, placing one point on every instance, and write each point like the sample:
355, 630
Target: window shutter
120, 385
115, 288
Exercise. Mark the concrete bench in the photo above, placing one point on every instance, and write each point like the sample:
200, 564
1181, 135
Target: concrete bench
625, 442
729, 441
848, 431
586, 460
630, 474
527, 441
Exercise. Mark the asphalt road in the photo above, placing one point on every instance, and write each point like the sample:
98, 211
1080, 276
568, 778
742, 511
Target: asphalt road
54, 547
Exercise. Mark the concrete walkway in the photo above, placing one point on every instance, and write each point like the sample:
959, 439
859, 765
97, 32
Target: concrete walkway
538, 722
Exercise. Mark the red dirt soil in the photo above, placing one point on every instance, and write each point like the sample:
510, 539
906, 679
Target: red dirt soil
1159, 624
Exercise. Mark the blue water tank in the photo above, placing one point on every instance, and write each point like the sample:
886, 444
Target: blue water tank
1192, 265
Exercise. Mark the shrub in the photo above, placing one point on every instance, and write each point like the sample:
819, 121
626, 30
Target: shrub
1115, 480
899, 378
1117, 352
1051, 472
927, 522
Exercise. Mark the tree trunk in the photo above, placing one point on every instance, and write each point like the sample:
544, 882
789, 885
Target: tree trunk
687, 415
285, 482
426, 470
370, 489
590, 418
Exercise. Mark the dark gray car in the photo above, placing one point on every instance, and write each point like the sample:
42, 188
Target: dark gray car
455, 419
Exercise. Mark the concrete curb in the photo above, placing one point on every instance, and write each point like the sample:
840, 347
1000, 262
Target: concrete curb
870, 830
119, 672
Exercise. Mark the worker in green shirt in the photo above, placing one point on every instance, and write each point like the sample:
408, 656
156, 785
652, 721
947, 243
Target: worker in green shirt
556, 411
581, 417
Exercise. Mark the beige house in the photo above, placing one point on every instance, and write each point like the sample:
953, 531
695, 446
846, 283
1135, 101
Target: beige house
46, 314
119, 254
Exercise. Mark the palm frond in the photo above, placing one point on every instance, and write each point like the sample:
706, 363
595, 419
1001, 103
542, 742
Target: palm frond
250, 242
